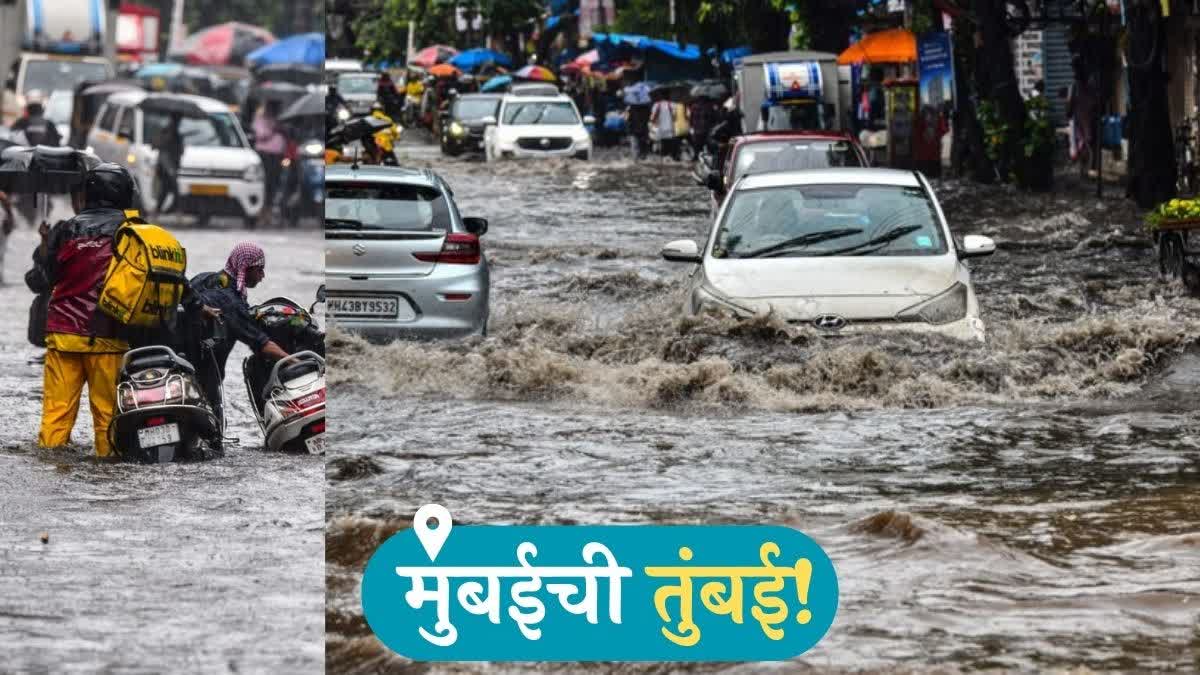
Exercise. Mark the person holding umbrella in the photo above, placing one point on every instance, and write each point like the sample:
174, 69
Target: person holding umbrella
170, 156
271, 144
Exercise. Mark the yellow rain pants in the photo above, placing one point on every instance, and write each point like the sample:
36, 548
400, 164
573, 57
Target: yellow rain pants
72, 361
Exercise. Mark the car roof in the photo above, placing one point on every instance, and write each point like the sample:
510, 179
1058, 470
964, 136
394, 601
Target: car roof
802, 135
495, 97
133, 97
382, 174
835, 176
537, 99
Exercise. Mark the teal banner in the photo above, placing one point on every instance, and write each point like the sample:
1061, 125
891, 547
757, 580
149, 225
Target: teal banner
598, 593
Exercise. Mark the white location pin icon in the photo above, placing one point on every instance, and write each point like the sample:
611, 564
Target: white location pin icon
431, 539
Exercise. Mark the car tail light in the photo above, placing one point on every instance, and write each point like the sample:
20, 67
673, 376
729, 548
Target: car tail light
458, 249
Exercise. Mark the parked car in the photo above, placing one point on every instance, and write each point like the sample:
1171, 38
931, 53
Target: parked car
359, 91
219, 175
844, 250
400, 260
538, 126
782, 151
463, 129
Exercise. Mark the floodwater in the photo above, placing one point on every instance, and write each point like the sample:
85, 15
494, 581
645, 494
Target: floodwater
1027, 504
204, 567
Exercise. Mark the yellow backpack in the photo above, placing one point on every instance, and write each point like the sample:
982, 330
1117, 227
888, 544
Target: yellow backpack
146, 275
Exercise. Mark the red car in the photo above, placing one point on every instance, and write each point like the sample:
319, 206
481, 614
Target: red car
785, 151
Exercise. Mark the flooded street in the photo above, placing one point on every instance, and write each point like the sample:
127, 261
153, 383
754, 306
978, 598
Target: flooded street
1026, 504
205, 567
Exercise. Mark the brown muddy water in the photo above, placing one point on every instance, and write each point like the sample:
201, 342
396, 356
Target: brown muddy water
1028, 504
208, 567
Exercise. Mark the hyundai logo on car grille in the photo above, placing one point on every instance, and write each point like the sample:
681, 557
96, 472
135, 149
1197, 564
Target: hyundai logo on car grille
359, 249
829, 322
545, 142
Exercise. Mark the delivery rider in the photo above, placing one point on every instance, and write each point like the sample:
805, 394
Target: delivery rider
83, 344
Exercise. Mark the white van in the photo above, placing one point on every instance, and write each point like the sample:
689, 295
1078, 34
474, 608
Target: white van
220, 174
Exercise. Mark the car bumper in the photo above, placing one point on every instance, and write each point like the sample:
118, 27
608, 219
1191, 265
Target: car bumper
434, 317
970, 329
203, 196
515, 152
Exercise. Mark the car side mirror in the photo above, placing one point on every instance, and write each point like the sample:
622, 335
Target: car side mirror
976, 246
489, 121
682, 250
476, 226
589, 120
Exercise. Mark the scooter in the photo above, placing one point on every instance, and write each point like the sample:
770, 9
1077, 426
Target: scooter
289, 396
162, 414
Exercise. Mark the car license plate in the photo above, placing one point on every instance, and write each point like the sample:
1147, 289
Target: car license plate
316, 444
163, 434
209, 190
387, 308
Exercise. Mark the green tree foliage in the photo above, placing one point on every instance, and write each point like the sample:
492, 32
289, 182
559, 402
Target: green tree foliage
382, 29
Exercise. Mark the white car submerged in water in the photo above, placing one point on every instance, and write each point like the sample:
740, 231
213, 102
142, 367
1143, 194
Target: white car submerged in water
844, 250
537, 126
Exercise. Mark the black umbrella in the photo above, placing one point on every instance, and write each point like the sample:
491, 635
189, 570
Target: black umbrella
357, 129
283, 92
44, 169
172, 105
309, 105
711, 89
288, 72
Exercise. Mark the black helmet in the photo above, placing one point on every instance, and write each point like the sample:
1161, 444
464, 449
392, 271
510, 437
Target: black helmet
108, 185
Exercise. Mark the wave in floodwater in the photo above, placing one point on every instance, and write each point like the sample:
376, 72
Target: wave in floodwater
553, 352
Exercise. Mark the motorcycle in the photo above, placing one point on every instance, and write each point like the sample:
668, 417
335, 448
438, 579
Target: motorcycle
288, 396
162, 414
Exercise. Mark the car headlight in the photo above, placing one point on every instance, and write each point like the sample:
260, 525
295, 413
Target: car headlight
705, 298
457, 129
253, 173
945, 308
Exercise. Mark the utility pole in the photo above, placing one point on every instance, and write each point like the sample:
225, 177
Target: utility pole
673, 30
177, 29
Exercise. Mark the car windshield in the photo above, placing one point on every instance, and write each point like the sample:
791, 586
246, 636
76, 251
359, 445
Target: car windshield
58, 107
356, 84
52, 74
368, 206
763, 156
474, 109
840, 219
218, 130
540, 113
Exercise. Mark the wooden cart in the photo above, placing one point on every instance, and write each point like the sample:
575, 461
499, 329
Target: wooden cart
1176, 260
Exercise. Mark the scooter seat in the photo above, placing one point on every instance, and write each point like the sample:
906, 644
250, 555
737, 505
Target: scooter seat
160, 360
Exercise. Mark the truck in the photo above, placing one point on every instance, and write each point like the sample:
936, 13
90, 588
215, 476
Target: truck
793, 91
61, 45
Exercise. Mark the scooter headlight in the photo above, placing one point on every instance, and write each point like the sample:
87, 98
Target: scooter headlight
945, 308
315, 149
343, 114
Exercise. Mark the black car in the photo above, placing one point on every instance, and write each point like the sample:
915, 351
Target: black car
464, 124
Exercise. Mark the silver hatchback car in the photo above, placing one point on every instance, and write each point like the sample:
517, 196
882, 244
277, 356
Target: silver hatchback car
400, 261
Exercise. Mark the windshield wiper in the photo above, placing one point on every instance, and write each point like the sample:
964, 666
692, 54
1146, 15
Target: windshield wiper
877, 243
803, 240
343, 222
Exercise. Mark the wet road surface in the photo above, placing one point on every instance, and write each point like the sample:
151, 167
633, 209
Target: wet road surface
1026, 504
206, 567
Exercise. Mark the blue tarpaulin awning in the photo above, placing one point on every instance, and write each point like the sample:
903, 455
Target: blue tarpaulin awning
473, 59
306, 48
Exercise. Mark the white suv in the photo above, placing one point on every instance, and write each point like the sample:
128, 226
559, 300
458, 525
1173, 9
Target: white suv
537, 126
219, 175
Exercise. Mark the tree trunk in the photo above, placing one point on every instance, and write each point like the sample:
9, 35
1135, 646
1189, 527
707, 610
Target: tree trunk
967, 154
996, 81
1152, 167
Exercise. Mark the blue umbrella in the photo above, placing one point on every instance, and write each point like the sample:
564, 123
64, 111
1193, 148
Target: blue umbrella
475, 58
497, 83
305, 48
